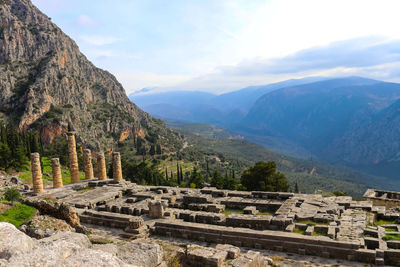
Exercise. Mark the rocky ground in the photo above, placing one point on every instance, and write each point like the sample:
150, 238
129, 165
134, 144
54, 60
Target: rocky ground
72, 249
7, 181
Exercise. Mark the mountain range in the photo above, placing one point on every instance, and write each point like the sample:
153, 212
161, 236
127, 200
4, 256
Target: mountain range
198, 106
351, 121
47, 84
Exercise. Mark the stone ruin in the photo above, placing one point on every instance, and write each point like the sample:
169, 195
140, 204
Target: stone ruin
36, 173
56, 169
73, 158
87, 161
307, 224
101, 166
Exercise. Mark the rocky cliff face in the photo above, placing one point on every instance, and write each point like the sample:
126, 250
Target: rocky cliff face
48, 84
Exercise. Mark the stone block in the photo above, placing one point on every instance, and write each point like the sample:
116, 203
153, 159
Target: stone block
250, 210
233, 252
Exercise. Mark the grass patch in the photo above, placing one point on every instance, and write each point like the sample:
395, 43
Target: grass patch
391, 236
18, 214
228, 212
307, 222
297, 230
264, 213
390, 230
48, 176
311, 223
100, 240
85, 189
383, 222
317, 232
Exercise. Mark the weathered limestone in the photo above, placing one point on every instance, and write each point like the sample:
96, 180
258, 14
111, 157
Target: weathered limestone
36, 173
73, 158
250, 210
156, 209
87, 162
117, 169
56, 169
101, 166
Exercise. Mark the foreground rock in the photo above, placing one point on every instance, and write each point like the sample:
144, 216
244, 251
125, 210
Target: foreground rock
58, 210
42, 226
71, 249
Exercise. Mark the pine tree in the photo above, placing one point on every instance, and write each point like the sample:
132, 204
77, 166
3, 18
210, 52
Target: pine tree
296, 188
5, 156
158, 149
181, 172
152, 150
217, 180
196, 178
35, 143
166, 174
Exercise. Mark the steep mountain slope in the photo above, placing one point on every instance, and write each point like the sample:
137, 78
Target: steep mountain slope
339, 120
238, 154
374, 145
48, 84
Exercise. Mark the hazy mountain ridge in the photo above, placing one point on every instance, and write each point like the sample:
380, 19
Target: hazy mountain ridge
48, 84
351, 121
196, 106
339, 120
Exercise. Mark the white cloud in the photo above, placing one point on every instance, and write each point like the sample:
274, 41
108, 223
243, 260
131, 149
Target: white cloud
134, 80
86, 21
225, 45
99, 40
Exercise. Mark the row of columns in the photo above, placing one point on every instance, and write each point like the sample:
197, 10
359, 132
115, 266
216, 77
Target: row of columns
74, 167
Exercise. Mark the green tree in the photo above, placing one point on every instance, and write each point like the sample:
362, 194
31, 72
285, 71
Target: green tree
296, 188
263, 176
12, 194
158, 149
5, 156
217, 180
196, 178
230, 183
152, 150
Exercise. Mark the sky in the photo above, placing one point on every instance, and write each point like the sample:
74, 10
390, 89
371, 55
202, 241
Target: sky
224, 45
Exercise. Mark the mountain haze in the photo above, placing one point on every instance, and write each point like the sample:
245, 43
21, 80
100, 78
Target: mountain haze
351, 121
338, 120
196, 106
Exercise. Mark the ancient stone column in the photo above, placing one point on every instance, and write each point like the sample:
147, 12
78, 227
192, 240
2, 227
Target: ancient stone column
56, 168
73, 158
101, 166
87, 162
36, 173
117, 169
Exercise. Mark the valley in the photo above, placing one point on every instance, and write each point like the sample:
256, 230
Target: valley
343, 121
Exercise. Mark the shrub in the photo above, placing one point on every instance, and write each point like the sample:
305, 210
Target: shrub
12, 194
